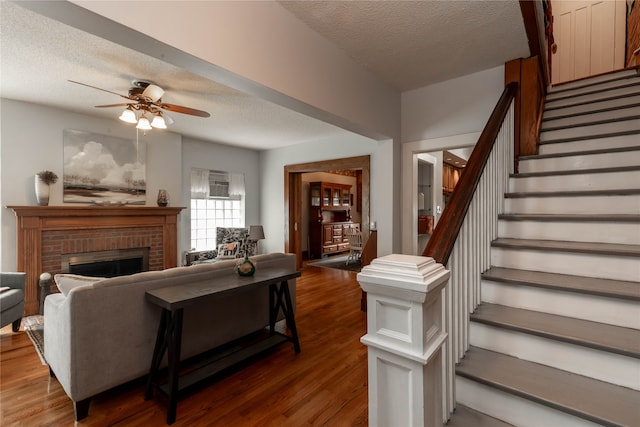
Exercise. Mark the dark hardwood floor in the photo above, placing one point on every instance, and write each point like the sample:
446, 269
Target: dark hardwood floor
324, 385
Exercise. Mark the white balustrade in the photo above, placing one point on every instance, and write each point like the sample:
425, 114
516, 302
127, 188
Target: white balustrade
417, 326
471, 256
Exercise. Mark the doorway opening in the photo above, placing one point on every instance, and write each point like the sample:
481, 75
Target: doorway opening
437, 175
294, 193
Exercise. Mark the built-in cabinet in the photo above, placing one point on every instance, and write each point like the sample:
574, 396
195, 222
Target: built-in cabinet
450, 177
331, 196
329, 218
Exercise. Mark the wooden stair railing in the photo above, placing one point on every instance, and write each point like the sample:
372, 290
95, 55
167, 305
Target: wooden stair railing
445, 234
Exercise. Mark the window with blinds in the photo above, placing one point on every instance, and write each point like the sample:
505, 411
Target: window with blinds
215, 208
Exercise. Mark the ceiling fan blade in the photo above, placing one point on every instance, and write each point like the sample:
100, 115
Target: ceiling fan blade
104, 90
184, 110
113, 105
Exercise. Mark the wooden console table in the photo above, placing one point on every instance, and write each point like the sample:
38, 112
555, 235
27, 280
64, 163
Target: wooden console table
174, 299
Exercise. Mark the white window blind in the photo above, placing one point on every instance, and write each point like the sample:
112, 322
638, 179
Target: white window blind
217, 200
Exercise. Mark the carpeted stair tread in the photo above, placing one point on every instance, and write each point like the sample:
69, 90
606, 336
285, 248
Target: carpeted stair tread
467, 417
580, 396
565, 282
600, 336
563, 246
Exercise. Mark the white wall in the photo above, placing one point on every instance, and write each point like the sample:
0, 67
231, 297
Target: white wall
208, 155
442, 116
272, 164
454, 107
31, 141
26, 150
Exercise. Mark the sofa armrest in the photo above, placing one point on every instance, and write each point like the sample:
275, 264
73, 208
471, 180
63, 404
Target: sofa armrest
13, 280
57, 339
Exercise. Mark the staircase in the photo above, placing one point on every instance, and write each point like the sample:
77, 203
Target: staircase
556, 339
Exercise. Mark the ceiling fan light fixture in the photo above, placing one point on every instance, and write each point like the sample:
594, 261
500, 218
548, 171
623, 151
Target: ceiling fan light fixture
143, 123
129, 116
158, 122
153, 92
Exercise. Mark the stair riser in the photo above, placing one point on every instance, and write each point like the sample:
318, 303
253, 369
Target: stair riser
590, 85
591, 130
594, 97
612, 142
600, 365
580, 162
595, 308
574, 205
576, 182
588, 119
591, 107
602, 232
512, 409
578, 264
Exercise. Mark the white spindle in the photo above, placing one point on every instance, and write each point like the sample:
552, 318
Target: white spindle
471, 256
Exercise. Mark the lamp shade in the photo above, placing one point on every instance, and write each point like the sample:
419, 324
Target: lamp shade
256, 232
143, 123
128, 116
158, 122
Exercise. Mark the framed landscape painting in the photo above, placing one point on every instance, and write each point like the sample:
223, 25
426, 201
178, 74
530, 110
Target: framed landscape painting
103, 170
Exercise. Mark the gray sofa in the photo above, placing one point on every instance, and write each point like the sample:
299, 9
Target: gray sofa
102, 333
12, 299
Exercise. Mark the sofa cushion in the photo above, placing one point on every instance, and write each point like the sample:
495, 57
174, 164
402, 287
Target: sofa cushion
10, 298
65, 282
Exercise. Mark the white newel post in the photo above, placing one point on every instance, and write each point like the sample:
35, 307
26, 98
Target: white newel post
404, 339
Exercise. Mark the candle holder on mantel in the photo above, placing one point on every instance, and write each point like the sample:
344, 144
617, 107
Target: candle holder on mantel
163, 198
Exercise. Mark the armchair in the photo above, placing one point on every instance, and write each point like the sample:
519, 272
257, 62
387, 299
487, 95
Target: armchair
12, 288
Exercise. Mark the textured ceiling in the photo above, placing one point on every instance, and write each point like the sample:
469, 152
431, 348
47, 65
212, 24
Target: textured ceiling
411, 44
408, 44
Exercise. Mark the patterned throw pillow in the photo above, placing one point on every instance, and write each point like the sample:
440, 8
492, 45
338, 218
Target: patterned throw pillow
239, 235
228, 250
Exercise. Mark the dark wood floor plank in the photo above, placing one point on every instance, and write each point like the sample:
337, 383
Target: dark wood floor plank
326, 384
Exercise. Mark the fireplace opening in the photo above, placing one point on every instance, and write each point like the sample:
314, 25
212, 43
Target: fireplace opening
118, 262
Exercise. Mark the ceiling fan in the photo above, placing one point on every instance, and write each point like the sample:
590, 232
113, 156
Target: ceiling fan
144, 98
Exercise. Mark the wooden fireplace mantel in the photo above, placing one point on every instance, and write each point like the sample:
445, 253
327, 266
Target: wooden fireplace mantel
32, 221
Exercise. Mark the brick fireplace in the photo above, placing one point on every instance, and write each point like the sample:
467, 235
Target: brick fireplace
46, 233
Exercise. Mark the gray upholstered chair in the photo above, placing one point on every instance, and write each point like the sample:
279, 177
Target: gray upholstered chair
12, 287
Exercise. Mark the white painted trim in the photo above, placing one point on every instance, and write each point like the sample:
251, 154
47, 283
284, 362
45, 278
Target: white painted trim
410, 181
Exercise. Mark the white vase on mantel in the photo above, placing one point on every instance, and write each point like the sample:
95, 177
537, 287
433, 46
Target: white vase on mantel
42, 192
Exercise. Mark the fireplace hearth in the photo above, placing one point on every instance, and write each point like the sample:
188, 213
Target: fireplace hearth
118, 262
